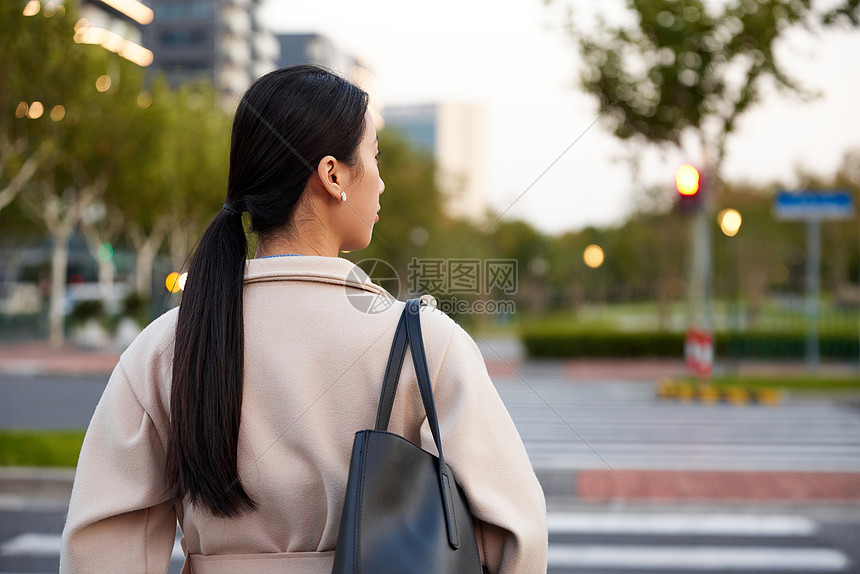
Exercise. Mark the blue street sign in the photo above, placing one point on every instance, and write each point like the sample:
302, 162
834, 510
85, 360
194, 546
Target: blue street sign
814, 204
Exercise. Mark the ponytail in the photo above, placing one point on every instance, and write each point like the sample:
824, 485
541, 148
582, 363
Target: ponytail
321, 114
206, 392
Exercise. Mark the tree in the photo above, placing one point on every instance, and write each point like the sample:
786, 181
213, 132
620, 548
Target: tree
687, 70
412, 214
52, 81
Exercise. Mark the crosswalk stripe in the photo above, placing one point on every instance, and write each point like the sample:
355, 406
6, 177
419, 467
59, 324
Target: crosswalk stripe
33, 544
680, 524
701, 558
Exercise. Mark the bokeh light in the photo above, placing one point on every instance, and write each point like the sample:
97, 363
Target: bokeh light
103, 83
105, 252
182, 279
172, 282
144, 100
21, 110
730, 221
32, 8
593, 256
687, 180
58, 113
36, 110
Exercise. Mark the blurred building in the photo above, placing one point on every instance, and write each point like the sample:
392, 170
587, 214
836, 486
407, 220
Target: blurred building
222, 40
313, 48
454, 134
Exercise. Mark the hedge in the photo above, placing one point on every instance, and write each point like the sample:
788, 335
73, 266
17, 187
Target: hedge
556, 343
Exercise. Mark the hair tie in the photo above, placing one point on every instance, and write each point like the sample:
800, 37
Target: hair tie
230, 209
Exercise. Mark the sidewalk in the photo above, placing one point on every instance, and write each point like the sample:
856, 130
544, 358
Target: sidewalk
504, 359
39, 358
716, 487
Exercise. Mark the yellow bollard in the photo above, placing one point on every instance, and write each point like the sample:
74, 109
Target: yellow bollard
737, 396
708, 394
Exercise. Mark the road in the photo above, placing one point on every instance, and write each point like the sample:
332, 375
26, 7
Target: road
49, 402
576, 426
629, 541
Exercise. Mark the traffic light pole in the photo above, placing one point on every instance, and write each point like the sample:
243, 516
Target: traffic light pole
700, 291
813, 291
698, 311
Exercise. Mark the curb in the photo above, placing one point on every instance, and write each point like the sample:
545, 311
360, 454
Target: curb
35, 482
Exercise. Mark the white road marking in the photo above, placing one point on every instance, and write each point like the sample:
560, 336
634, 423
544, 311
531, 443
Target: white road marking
32, 544
696, 558
680, 524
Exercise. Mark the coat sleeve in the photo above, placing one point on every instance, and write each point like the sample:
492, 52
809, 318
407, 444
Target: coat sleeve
120, 518
485, 452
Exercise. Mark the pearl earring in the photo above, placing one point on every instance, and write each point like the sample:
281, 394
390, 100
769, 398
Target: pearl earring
343, 196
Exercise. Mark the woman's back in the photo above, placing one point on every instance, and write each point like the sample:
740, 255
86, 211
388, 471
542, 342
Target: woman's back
236, 413
314, 364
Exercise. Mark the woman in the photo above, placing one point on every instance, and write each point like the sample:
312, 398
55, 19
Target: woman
235, 414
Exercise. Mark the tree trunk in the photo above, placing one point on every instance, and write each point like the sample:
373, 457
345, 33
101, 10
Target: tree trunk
59, 267
61, 213
14, 185
146, 247
179, 249
96, 237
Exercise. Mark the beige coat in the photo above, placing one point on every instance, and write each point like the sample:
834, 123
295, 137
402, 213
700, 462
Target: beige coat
313, 371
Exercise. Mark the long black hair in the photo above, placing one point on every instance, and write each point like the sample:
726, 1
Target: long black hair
286, 122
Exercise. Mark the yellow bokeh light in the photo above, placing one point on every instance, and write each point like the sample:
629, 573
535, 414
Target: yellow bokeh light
32, 8
172, 282
36, 110
144, 100
593, 256
182, 279
103, 83
58, 113
21, 110
730, 221
687, 180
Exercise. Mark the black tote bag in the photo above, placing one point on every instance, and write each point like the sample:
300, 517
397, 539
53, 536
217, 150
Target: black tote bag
404, 513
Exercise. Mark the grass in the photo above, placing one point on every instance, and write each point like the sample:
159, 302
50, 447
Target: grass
40, 448
794, 384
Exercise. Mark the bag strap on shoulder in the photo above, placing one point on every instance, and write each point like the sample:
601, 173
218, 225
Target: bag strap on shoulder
409, 332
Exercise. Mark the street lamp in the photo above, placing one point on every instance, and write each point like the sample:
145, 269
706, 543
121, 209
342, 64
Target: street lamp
730, 221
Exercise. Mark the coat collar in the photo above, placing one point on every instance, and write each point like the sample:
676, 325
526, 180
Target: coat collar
333, 270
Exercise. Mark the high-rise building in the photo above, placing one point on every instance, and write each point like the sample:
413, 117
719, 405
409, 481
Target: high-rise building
454, 134
222, 40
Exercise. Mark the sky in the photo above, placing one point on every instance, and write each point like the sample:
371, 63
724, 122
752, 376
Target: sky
518, 62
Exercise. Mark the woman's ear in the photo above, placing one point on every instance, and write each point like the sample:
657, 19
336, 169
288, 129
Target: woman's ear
332, 173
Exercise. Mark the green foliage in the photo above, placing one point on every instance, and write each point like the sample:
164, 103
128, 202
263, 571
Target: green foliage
559, 343
805, 383
136, 306
412, 205
84, 311
543, 341
40, 448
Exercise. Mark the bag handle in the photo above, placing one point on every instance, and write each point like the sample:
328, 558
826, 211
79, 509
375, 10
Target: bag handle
392, 375
411, 320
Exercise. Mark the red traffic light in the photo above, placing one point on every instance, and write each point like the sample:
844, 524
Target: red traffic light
687, 180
